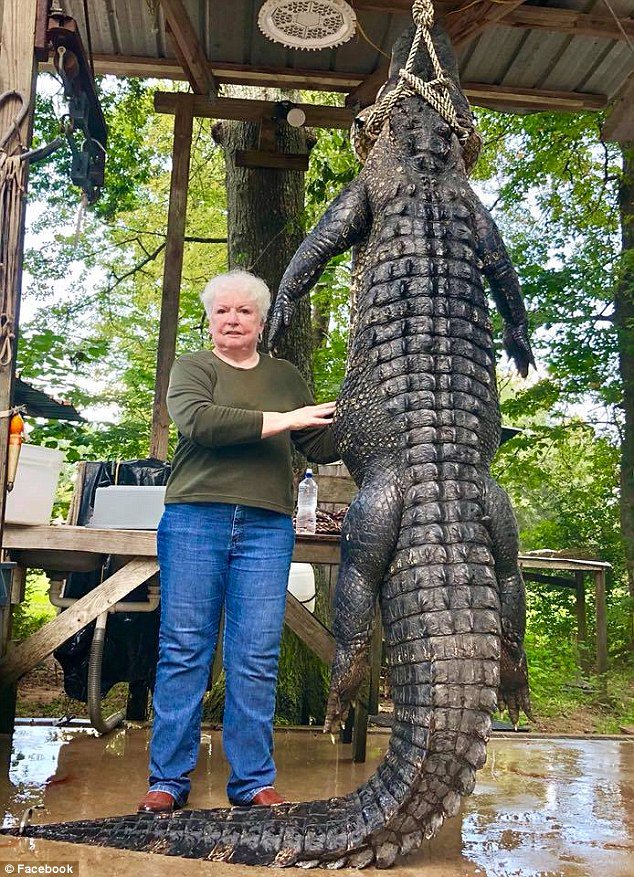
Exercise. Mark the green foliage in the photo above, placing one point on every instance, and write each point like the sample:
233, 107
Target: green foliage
556, 200
35, 610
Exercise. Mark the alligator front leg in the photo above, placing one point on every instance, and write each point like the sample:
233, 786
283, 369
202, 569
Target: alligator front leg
514, 692
368, 538
344, 224
505, 288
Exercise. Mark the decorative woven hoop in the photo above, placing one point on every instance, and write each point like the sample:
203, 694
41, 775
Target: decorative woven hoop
307, 24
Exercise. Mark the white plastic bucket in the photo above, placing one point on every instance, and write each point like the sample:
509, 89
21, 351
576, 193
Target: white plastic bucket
301, 584
33, 494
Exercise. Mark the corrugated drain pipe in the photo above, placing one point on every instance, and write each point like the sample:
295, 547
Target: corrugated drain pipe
101, 725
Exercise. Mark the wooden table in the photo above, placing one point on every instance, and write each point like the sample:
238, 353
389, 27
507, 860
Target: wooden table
66, 548
62, 549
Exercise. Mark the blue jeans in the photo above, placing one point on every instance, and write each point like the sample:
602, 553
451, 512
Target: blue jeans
210, 555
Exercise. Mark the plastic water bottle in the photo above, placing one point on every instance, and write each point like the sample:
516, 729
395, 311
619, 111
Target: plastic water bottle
306, 520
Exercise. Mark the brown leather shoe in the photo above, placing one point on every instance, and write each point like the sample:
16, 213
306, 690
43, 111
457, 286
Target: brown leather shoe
157, 802
267, 797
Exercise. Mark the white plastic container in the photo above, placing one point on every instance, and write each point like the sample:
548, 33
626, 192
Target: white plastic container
31, 500
127, 507
301, 584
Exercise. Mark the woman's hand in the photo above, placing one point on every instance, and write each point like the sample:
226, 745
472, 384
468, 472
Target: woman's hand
308, 417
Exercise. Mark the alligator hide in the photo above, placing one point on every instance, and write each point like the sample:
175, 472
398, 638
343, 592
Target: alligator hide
430, 535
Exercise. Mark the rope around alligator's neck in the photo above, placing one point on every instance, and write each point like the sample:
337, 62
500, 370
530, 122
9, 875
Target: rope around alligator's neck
434, 91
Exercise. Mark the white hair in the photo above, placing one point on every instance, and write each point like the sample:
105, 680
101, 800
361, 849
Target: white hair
243, 281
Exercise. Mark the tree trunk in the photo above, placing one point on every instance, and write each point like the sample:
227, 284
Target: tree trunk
624, 321
264, 222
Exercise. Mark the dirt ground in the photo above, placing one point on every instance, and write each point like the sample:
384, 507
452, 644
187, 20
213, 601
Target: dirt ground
41, 693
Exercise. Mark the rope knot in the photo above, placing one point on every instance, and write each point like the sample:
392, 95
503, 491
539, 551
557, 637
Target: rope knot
423, 13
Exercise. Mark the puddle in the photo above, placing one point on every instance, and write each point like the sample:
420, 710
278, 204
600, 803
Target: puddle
541, 808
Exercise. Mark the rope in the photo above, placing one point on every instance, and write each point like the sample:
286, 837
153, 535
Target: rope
11, 191
435, 91
11, 188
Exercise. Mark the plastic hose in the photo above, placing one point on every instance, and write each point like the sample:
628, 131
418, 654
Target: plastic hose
101, 725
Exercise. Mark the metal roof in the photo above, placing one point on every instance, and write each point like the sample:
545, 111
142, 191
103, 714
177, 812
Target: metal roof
39, 404
555, 48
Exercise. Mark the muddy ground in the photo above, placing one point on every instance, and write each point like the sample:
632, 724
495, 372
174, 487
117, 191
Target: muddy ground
41, 693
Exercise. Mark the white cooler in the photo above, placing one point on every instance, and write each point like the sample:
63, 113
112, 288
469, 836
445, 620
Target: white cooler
127, 507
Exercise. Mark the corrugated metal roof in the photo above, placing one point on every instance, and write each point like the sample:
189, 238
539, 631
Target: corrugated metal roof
502, 55
40, 404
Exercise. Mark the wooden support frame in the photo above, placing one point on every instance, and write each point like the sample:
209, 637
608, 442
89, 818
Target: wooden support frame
41, 644
569, 21
172, 272
241, 110
619, 125
188, 48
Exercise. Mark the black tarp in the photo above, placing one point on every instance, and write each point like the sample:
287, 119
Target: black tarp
131, 643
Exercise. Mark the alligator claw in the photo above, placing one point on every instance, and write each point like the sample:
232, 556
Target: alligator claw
518, 346
514, 694
280, 318
348, 672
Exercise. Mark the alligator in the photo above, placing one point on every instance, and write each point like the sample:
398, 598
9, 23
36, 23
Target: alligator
430, 536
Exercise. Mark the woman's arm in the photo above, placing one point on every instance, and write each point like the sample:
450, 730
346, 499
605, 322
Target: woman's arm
308, 417
192, 408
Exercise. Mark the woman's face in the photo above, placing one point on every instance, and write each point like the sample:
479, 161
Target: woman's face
235, 323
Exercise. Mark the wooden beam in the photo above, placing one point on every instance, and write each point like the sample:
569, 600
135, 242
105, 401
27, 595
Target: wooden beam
83, 539
237, 109
619, 125
508, 96
365, 93
551, 581
309, 629
225, 72
463, 26
580, 608
267, 158
319, 116
42, 643
188, 48
172, 272
569, 21
548, 18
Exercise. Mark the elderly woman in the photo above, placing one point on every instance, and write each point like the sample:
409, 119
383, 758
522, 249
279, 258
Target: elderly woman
226, 539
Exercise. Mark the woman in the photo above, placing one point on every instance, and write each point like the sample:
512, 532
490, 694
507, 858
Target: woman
226, 539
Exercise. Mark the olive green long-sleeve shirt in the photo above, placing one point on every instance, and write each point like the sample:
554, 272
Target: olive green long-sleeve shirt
221, 456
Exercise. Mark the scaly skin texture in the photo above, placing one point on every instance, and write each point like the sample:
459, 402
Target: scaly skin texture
430, 535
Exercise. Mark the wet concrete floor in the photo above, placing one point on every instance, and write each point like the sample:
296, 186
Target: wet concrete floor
541, 808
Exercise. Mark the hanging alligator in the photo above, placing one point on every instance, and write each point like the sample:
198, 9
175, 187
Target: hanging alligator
430, 535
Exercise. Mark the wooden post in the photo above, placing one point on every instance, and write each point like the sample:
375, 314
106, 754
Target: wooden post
580, 611
376, 655
172, 272
602, 624
17, 73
